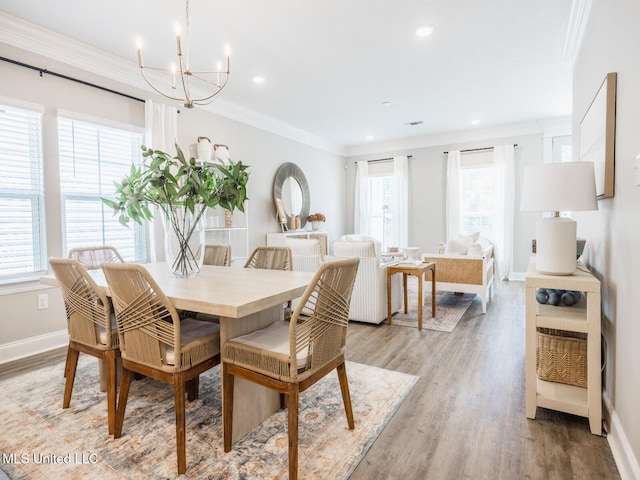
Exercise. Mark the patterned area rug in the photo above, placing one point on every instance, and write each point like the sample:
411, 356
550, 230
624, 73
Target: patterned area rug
450, 308
40, 440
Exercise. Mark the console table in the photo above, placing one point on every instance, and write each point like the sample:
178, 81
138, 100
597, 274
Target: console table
582, 317
419, 271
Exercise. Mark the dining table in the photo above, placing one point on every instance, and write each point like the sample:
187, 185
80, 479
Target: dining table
245, 300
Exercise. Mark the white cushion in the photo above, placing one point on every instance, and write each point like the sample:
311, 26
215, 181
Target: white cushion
363, 238
274, 338
475, 250
470, 238
456, 247
348, 249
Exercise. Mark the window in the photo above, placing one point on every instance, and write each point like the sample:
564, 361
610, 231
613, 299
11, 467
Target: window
562, 149
22, 235
92, 157
477, 192
381, 210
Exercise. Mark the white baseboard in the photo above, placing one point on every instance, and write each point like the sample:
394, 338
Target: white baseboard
31, 346
626, 461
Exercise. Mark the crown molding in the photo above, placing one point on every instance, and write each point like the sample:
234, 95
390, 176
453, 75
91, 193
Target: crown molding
32, 38
460, 137
580, 10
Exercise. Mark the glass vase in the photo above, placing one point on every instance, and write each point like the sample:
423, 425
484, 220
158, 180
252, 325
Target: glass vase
184, 240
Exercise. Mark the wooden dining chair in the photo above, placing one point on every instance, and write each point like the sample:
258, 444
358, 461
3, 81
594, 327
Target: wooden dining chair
94, 257
91, 328
217, 255
272, 258
290, 357
157, 343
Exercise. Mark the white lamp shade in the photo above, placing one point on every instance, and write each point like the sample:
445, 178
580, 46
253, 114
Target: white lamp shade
556, 187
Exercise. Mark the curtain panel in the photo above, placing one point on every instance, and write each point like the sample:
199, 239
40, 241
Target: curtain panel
161, 132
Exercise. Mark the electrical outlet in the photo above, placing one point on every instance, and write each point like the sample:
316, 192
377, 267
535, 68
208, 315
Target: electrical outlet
43, 301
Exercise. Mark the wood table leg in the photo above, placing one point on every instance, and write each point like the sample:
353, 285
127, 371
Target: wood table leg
388, 297
433, 291
404, 288
419, 301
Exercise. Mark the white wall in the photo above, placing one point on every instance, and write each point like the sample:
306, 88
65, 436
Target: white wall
611, 43
23, 328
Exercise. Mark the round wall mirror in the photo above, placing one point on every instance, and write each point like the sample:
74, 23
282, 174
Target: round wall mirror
291, 191
292, 196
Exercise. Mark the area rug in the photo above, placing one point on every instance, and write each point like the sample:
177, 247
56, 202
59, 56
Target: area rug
450, 308
40, 440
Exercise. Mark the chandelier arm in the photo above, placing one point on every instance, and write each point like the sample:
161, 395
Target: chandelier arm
219, 86
157, 69
210, 98
153, 86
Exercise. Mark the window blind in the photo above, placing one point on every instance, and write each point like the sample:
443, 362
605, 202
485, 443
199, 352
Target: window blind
92, 157
22, 233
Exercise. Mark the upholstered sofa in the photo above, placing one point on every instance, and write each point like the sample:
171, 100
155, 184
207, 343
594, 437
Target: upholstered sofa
369, 297
465, 268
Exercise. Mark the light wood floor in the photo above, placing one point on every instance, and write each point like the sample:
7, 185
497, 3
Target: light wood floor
465, 418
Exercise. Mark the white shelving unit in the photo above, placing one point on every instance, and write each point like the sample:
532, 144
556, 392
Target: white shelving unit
237, 235
583, 317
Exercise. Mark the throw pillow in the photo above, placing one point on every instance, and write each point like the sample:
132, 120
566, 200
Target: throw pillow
456, 247
475, 250
470, 238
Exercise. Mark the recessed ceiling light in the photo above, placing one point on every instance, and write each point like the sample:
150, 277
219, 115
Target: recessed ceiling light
369, 137
259, 80
475, 122
424, 30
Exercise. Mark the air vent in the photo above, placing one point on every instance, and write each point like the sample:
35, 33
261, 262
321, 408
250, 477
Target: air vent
413, 124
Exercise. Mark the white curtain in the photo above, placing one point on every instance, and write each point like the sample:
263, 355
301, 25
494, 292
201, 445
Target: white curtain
161, 131
503, 207
452, 203
401, 201
361, 201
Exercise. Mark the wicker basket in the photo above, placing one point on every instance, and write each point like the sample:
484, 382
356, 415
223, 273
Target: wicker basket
562, 357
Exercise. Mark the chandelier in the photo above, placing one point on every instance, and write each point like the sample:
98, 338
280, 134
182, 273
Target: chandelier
215, 81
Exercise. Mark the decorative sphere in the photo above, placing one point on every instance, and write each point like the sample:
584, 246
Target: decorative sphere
568, 298
542, 296
555, 299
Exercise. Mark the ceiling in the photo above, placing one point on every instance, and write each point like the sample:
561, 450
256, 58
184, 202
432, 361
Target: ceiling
330, 64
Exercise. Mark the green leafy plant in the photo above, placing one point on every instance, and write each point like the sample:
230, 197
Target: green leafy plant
233, 192
178, 186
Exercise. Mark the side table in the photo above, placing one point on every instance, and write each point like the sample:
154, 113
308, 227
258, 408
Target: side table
419, 271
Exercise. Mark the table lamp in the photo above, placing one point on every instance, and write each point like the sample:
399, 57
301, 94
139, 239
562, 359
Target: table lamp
556, 187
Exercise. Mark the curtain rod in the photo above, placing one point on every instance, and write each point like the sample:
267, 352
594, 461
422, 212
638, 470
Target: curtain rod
478, 149
383, 159
66, 77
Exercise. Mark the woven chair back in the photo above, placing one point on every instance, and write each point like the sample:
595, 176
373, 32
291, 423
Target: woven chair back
93, 257
270, 258
318, 327
148, 323
88, 309
217, 255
